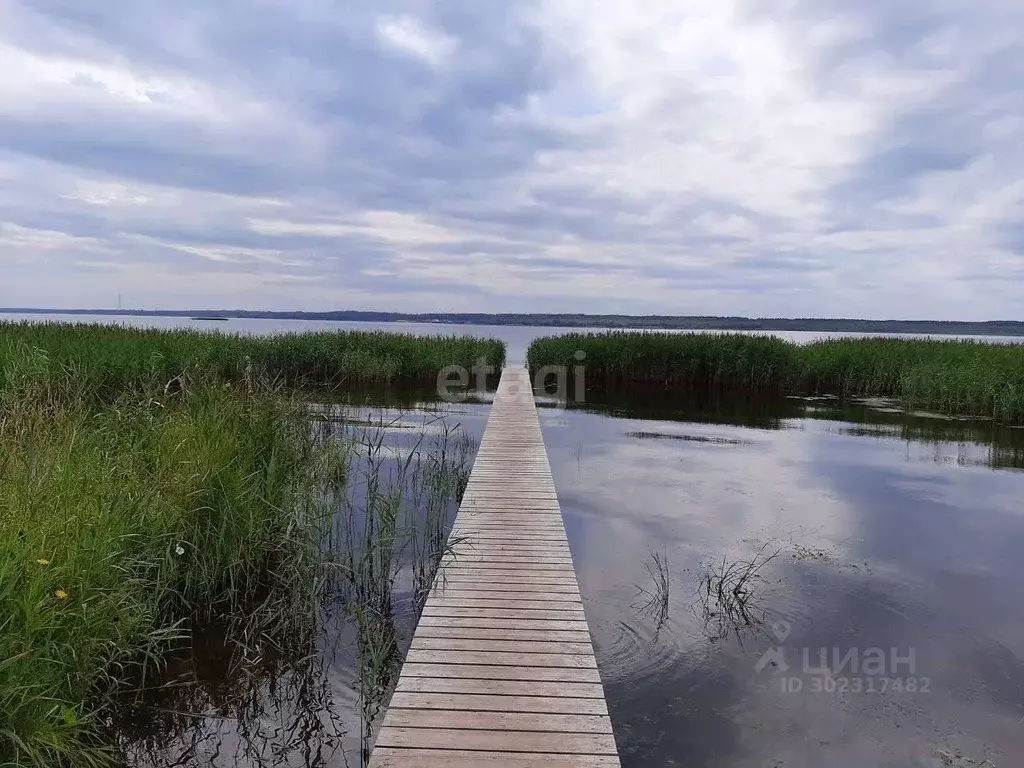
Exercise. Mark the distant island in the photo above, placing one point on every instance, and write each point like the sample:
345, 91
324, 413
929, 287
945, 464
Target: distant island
667, 322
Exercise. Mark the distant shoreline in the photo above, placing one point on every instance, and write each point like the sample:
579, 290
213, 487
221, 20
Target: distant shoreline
664, 322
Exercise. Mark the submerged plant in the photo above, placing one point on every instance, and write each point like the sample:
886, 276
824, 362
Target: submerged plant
727, 595
389, 537
654, 600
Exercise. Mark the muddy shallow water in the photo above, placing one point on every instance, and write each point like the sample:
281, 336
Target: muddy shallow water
893, 542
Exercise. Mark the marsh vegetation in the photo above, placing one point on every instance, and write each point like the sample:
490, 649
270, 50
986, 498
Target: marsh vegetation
156, 484
951, 377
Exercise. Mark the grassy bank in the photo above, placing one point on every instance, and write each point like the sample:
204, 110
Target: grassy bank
115, 524
954, 377
107, 359
147, 477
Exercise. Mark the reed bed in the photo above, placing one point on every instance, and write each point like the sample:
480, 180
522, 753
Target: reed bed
271, 696
954, 377
118, 523
694, 361
148, 478
106, 359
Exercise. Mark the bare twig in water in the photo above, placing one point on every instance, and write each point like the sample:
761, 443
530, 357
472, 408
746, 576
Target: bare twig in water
653, 602
727, 595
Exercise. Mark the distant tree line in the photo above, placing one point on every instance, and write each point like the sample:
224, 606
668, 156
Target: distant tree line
690, 322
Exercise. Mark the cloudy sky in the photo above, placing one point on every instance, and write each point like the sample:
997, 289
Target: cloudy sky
821, 158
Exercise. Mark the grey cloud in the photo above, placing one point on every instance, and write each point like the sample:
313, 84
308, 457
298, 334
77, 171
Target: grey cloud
323, 118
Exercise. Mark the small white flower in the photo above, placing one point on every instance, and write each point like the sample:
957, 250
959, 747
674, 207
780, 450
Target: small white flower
180, 550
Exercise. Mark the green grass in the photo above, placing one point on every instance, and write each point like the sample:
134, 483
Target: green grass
105, 359
116, 523
147, 476
955, 377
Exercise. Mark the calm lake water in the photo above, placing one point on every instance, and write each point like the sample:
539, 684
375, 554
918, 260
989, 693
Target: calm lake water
893, 541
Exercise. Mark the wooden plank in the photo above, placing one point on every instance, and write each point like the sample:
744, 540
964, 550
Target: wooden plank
581, 648
572, 661
474, 702
487, 720
490, 633
516, 592
503, 688
553, 566
489, 578
490, 557
478, 621
498, 741
484, 576
501, 671
503, 614
564, 569
387, 757
525, 587
483, 529
514, 609
492, 549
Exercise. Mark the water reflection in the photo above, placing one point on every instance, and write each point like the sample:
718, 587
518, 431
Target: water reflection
964, 441
894, 530
301, 679
249, 690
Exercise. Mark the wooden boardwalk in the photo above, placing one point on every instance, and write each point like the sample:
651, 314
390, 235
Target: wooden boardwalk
501, 672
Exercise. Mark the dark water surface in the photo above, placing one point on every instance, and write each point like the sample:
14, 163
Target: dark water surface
892, 531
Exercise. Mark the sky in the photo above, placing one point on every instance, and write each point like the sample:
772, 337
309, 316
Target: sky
825, 158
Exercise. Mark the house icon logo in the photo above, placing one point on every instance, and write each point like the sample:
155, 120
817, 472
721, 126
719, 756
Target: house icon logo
776, 656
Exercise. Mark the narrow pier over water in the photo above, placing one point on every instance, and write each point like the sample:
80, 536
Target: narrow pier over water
501, 672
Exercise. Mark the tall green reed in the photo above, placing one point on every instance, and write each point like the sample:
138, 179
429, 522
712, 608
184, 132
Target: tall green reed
955, 377
390, 537
106, 359
117, 523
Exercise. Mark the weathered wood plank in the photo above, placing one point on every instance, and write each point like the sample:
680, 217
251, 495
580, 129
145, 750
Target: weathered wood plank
501, 672
498, 741
505, 603
553, 568
472, 594
577, 661
502, 688
489, 575
488, 720
421, 643
387, 757
495, 633
473, 702
528, 586
477, 621
503, 614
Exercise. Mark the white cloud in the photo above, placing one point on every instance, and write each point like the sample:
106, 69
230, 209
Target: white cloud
16, 240
410, 36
